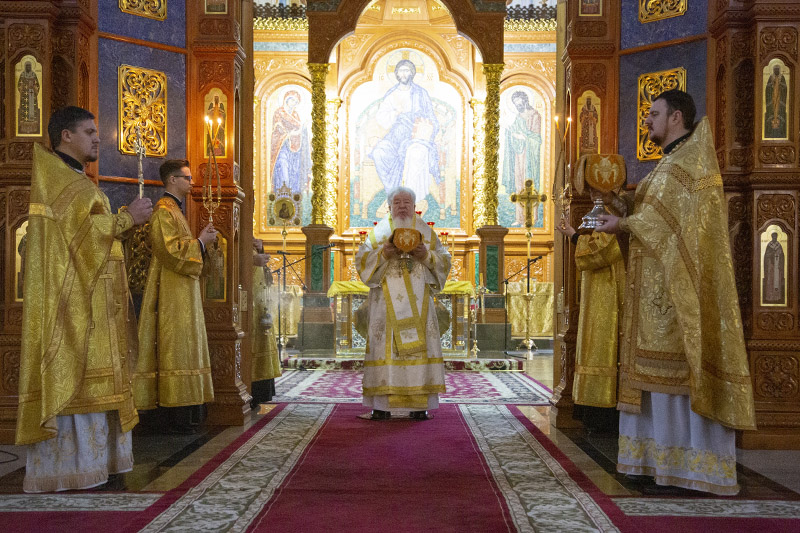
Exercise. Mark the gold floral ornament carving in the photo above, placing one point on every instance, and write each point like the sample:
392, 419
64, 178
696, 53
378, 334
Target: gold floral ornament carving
331, 161
280, 24
650, 86
142, 101
492, 140
478, 164
319, 71
652, 10
152, 9
529, 25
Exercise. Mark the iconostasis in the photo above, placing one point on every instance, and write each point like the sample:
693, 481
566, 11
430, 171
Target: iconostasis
400, 62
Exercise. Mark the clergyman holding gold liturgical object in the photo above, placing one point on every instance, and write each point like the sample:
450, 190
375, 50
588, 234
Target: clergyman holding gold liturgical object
76, 410
684, 381
174, 366
404, 264
604, 173
600, 261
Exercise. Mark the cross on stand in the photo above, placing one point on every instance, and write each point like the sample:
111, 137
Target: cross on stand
530, 199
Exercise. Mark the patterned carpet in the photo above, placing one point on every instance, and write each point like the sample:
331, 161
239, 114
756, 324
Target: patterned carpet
318, 467
344, 386
289, 462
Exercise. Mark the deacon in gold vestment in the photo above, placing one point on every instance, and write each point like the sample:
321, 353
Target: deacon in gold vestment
599, 260
684, 381
403, 365
174, 367
266, 360
75, 405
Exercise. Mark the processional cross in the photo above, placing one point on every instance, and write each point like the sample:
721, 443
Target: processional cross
530, 199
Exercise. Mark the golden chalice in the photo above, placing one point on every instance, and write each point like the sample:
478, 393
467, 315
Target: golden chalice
406, 239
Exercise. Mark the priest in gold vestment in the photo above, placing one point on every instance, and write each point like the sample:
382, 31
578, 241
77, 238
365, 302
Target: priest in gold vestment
403, 365
174, 367
76, 409
266, 360
684, 378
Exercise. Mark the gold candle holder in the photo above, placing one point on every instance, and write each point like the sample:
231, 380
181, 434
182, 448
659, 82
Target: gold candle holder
140, 151
208, 192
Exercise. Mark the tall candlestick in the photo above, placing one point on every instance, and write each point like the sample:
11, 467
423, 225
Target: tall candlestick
140, 152
208, 191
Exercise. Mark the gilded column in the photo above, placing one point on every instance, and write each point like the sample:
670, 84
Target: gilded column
331, 205
316, 330
491, 252
319, 72
492, 139
478, 164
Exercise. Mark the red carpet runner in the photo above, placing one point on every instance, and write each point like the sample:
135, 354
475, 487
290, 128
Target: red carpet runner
317, 467
397, 475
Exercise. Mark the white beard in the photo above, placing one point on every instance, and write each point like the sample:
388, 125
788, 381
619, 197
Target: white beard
403, 222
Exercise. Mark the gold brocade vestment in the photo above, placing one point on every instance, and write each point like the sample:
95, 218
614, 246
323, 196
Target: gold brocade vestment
174, 367
266, 361
403, 359
75, 352
599, 260
682, 329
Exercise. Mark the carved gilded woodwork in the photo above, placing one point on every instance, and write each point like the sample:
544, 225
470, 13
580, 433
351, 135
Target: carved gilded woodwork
26, 37
61, 70
492, 140
351, 46
777, 155
590, 28
652, 10
319, 72
740, 234
547, 67
478, 164
280, 24
142, 101
63, 42
778, 39
264, 67
461, 47
776, 207
216, 72
650, 85
152, 9
331, 162
772, 321
522, 25
590, 74
20, 151
216, 26
776, 377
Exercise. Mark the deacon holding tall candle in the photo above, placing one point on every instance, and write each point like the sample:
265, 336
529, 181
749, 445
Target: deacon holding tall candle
174, 366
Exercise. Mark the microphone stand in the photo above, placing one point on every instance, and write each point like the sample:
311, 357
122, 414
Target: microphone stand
282, 272
527, 268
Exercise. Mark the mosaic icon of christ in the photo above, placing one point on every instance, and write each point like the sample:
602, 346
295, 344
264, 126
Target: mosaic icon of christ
407, 154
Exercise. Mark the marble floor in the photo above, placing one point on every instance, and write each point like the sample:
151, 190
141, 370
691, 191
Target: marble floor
163, 461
